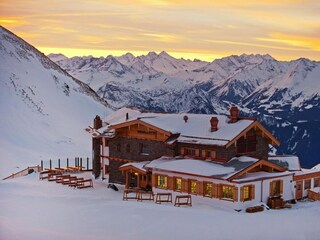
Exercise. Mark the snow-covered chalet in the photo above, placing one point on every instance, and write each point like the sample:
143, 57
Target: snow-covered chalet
214, 157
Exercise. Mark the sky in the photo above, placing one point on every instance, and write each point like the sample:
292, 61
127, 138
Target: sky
202, 29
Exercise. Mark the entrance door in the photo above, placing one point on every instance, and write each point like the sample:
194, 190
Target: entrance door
299, 190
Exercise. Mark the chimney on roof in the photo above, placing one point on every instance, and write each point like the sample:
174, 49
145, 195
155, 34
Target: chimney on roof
97, 122
214, 124
127, 116
185, 118
234, 114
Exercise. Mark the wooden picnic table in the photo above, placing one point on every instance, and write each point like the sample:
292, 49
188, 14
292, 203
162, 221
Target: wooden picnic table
145, 195
164, 197
126, 193
183, 200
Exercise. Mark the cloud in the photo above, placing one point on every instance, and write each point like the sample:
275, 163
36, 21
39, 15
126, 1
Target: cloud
217, 27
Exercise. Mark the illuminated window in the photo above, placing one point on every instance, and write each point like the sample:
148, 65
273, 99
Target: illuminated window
193, 187
275, 188
227, 192
307, 184
207, 189
247, 193
177, 184
162, 181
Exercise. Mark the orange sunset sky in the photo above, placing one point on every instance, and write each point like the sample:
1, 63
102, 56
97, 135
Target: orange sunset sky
203, 29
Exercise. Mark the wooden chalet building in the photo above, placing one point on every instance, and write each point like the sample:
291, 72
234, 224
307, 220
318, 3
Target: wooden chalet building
216, 157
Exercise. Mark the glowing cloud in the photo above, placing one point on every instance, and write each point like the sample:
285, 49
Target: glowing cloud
204, 29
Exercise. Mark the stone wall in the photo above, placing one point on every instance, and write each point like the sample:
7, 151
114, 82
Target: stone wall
119, 149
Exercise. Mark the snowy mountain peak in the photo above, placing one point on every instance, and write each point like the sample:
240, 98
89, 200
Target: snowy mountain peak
43, 109
57, 57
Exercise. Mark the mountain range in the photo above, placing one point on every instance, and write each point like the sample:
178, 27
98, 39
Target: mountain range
284, 95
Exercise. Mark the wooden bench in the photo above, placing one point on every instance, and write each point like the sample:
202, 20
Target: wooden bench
44, 174
73, 181
183, 200
70, 180
164, 197
86, 183
74, 169
126, 193
145, 195
53, 176
62, 178
254, 209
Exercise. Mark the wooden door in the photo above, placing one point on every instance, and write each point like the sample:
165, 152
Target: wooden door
299, 190
142, 181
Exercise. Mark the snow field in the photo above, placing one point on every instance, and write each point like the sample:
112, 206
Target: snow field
34, 209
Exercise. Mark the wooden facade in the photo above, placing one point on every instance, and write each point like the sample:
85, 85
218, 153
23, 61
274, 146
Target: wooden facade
136, 140
139, 141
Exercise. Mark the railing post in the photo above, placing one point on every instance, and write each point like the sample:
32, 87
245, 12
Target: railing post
59, 163
87, 163
41, 165
75, 161
67, 162
80, 164
50, 164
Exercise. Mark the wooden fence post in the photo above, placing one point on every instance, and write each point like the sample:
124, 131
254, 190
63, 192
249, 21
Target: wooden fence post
59, 163
67, 162
87, 163
50, 164
80, 164
41, 165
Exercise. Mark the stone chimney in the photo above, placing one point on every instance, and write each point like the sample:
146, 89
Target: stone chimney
234, 114
214, 124
97, 122
96, 143
185, 118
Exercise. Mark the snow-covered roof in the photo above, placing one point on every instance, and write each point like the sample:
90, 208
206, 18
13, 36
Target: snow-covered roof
306, 171
138, 165
259, 175
201, 167
292, 163
317, 167
197, 129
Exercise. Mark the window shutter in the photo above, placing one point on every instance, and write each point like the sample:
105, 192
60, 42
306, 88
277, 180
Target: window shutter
170, 183
213, 154
154, 180
182, 151
214, 190
200, 188
281, 186
219, 191
235, 194
252, 192
197, 152
184, 185
242, 194
270, 190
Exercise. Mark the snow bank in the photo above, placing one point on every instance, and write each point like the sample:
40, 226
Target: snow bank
34, 209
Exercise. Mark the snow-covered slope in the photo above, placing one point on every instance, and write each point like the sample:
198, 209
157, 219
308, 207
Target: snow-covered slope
43, 109
283, 95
